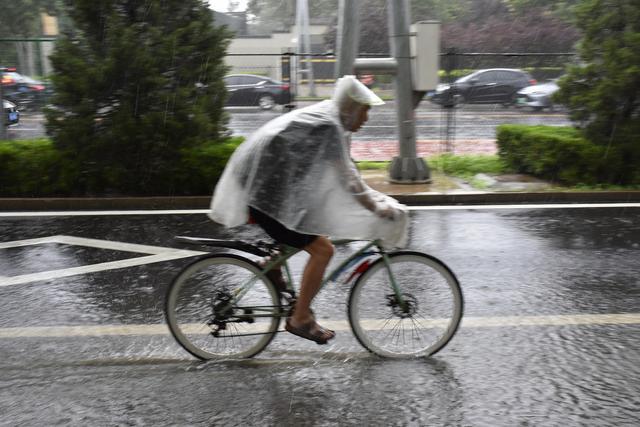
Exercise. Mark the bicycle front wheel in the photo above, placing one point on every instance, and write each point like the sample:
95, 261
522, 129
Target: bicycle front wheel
219, 307
421, 321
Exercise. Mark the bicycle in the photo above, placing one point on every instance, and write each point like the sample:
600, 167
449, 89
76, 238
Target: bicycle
223, 305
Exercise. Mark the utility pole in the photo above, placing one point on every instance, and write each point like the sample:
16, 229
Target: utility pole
406, 168
3, 128
348, 37
304, 42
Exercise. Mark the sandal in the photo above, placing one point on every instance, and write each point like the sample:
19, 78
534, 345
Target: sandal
311, 331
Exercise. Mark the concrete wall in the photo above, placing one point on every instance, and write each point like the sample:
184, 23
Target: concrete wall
276, 44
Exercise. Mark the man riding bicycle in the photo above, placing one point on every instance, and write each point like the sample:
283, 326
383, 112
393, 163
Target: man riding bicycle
294, 177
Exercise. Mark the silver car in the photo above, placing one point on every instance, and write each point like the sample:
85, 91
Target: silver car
537, 96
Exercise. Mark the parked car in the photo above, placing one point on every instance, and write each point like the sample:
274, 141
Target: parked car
25, 92
537, 96
248, 89
12, 115
491, 86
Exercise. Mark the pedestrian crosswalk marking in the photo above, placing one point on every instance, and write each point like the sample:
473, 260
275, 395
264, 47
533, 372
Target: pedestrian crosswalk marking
338, 325
149, 254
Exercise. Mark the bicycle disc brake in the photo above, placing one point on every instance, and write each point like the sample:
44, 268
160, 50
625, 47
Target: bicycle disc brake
404, 309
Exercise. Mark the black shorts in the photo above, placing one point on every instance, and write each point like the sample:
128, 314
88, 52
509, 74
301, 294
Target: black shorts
279, 232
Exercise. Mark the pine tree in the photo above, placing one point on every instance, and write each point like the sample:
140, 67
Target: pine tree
603, 92
137, 85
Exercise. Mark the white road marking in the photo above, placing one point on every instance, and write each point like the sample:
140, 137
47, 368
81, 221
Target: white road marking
93, 268
105, 213
411, 208
527, 206
338, 325
156, 254
93, 243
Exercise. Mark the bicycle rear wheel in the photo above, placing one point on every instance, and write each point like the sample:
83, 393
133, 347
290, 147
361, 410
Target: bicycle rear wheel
204, 318
424, 324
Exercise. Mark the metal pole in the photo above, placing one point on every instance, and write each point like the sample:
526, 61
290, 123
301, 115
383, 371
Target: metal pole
304, 43
406, 168
3, 129
298, 49
307, 47
348, 36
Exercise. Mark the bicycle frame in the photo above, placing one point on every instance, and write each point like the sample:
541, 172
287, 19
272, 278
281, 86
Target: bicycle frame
381, 305
288, 251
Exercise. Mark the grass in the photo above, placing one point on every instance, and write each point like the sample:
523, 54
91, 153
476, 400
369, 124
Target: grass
366, 165
465, 166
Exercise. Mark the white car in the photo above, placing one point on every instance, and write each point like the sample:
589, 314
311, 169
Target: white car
537, 96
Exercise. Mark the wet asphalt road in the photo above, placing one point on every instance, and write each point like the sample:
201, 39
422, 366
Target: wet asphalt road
551, 333
471, 121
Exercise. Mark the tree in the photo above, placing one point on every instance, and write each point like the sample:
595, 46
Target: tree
19, 20
475, 25
280, 15
373, 28
137, 85
603, 93
563, 9
22, 18
536, 31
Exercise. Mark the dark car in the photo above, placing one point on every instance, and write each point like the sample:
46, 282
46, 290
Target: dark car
25, 92
11, 114
492, 86
248, 89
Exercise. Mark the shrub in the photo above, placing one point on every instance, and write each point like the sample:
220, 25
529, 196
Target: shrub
560, 154
30, 168
202, 166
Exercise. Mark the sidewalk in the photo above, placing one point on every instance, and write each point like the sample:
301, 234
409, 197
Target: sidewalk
505, 189
383, 150
443, 190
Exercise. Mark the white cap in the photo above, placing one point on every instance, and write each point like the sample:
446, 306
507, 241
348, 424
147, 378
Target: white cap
349, 86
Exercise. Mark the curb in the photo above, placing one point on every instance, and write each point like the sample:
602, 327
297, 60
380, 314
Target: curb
202, 202
480, 198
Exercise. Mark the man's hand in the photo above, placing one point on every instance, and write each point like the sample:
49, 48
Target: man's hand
387, 212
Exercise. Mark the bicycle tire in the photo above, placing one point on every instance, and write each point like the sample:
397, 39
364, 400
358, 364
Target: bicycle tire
434, 310
200, 319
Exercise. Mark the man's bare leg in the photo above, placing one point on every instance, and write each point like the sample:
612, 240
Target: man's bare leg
320, 251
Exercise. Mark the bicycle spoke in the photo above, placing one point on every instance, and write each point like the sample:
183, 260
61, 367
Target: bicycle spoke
422, 323
233, 330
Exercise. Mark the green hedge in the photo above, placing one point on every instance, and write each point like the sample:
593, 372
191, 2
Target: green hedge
30, 168
559, 154
34, 168
202, 166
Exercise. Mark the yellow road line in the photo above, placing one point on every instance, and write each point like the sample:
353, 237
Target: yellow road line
339, 325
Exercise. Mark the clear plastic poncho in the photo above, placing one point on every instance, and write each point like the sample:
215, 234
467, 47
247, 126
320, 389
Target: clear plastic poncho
297, 170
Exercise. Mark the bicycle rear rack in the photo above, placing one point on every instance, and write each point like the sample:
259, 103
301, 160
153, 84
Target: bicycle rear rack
260, 248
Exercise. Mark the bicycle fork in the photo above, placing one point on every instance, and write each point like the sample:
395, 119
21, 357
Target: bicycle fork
394, 285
